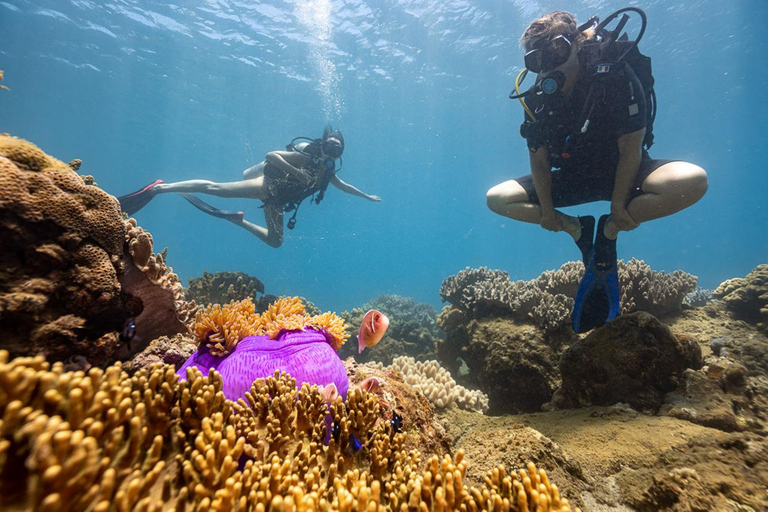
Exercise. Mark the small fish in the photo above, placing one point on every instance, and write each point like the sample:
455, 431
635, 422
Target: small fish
396, 422
354, 444
336, 431
375, 324
110, 320
371, 384
329, 392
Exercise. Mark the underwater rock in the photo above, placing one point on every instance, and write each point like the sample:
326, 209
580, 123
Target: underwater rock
633, 359
223, 287
516, 365
413, 330
715, 472
747, 297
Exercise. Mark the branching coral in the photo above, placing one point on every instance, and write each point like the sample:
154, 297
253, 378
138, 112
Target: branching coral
547, 300
106, 441
221, 328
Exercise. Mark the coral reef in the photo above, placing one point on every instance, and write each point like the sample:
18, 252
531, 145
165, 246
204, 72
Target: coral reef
152, 289
72, 270
730, 392
61, 239
634, 359
174, 351
547, 301
747, 297
222, 328
436, 384
515, 364
104, 440
698, 298
419, 421
413, 330
713, 472
223, 287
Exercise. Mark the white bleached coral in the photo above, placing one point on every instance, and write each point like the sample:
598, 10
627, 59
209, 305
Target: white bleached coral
436, 384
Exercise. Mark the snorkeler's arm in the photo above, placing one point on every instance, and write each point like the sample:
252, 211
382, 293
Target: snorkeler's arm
630, 155
280, 159
350, 189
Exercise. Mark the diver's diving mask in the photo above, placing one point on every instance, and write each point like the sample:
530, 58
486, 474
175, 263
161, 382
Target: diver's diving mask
548, 54
332, 148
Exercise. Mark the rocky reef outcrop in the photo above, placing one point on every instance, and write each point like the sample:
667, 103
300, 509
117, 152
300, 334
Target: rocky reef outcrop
634, 359
747, 297
72, 271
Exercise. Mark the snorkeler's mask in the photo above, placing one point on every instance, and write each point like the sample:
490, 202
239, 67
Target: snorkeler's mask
547, 54
332, 148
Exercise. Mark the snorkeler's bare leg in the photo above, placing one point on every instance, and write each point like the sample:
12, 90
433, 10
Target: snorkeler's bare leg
248, 189
511, 200
670, 188
273, 233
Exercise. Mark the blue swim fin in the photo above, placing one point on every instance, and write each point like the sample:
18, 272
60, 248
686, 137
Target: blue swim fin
598, 299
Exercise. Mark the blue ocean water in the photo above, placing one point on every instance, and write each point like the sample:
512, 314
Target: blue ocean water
204, 89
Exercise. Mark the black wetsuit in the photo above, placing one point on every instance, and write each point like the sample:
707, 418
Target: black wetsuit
285, 190
589, 172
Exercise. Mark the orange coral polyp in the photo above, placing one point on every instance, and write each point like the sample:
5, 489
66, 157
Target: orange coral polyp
221, 328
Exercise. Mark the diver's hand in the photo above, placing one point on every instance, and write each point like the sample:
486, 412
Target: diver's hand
551, 222
622, 220
375, 199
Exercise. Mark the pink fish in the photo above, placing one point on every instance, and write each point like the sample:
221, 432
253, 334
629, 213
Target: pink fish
372, 329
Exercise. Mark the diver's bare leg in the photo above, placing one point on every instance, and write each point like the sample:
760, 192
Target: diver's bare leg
670, 188
511, 200
272, 235
248, 189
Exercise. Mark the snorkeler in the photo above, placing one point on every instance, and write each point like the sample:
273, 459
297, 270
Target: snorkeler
282, 181
588, 124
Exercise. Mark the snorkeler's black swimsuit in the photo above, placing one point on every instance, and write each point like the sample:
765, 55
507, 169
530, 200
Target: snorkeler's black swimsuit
285, 190
589, 173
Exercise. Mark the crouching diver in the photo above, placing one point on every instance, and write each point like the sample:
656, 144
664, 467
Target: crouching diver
282, 182
588, 123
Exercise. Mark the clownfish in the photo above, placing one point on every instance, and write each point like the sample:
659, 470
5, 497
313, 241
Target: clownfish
375, 324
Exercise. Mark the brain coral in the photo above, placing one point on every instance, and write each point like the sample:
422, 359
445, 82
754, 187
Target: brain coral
69, 261
107, 441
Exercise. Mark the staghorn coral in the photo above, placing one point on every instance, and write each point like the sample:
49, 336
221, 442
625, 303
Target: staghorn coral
547, 301
223, 287
435, 383
221, 328
747, 297
107, 441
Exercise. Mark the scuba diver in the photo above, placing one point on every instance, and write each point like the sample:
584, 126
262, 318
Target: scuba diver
588, 124
282, 182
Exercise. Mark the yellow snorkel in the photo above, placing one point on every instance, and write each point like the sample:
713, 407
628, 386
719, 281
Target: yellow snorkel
518, 81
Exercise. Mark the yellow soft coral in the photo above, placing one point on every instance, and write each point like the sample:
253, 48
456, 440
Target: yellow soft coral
221, 328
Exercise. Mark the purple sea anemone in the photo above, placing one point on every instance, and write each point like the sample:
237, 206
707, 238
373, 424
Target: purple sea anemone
306, 355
